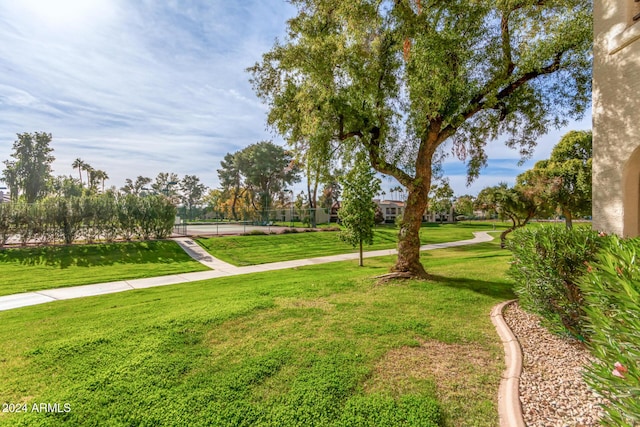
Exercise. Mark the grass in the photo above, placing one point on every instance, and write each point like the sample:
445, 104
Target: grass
30, 269
261, 249
320, 345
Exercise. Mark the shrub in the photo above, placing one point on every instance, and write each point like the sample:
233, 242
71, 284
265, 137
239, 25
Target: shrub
612, 294
6, 224
547, 264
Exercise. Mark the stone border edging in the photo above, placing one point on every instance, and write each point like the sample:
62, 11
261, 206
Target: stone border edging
509, 406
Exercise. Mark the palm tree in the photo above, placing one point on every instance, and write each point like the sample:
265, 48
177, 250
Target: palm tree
103, 176
79, 164
99, 175
88, 169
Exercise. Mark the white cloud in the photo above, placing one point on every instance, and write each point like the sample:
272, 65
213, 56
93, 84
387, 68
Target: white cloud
135, 88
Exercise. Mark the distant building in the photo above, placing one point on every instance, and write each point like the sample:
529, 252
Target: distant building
392, 209
4, 195
616, 117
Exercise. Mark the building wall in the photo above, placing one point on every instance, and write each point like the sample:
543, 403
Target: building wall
616, 117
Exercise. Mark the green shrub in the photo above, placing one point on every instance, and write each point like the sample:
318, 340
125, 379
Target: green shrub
547, 264
612, 294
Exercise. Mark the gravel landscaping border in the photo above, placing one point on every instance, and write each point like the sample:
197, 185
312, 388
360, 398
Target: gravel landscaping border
552, 391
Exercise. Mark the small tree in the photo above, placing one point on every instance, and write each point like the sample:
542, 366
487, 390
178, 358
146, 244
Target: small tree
357, 213
440, 198
514, 204
464, 205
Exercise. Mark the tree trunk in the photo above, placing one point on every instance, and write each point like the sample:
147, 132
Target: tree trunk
361, 263
568, 219
503, 235
312, 196
409, 234
233, 205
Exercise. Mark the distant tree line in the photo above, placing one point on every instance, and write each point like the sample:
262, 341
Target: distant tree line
48, 209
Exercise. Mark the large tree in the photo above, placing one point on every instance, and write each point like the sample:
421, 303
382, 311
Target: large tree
262, 170
404, 79
30, 173
192, 192
566, 176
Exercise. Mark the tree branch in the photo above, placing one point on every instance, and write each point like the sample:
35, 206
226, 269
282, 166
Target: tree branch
506, 43
381, 165
479, 102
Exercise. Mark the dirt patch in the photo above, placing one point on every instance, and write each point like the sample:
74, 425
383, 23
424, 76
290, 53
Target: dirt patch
446, 366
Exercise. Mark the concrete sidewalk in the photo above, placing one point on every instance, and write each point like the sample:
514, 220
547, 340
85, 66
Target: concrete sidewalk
220, 269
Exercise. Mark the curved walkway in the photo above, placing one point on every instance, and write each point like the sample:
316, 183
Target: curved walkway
220, 269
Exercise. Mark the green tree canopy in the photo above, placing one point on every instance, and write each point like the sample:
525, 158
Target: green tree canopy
29, 175
167, 184
402, 78
192, 192
262, 169
441, 197
563, 181
135, 187
464, 205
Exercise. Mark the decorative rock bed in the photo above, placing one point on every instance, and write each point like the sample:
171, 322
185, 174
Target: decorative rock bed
552, 390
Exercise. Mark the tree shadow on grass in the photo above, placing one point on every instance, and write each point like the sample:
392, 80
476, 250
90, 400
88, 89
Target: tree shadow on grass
94, 255
494, 289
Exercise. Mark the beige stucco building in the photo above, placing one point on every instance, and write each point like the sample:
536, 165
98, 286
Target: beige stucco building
616, 117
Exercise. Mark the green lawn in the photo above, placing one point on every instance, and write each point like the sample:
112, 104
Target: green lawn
30, 269
261, 249
323, 345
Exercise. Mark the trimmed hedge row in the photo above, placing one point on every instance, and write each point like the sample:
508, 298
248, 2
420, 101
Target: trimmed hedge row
105, 216
587, 285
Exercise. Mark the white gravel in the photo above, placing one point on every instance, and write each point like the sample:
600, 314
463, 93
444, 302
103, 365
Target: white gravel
552, 390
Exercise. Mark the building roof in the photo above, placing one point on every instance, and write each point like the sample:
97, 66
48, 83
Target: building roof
397, 203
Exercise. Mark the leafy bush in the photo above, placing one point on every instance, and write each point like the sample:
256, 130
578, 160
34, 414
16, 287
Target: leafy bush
547, 264
612, 294
104, 216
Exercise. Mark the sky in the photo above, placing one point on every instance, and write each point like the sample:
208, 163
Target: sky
138, 87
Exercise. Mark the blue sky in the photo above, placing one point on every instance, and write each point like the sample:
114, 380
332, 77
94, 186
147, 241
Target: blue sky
148, 86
